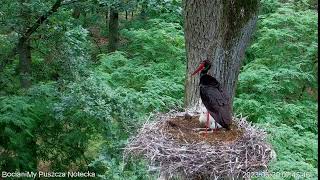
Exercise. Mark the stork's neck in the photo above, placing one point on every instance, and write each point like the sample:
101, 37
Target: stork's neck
204, 71
206, 79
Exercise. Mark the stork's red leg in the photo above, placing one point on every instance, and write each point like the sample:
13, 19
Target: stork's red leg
207, 125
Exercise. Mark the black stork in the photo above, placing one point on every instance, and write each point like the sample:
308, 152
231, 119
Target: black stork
214, 97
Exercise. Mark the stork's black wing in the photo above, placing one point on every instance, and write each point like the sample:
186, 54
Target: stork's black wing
214, 95
217, 103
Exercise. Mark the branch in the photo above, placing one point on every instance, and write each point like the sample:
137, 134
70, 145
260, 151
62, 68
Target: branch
41, 19
25, 36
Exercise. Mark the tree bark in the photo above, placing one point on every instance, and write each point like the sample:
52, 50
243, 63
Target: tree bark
107, 17
217, 30
24, 51
113, 30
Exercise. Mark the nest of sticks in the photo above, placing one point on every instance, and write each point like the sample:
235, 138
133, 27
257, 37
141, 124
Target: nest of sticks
174, 147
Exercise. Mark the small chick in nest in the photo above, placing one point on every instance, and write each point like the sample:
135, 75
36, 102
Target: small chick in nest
203, 119
204, 115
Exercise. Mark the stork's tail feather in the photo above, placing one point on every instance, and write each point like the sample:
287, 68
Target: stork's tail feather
220, 119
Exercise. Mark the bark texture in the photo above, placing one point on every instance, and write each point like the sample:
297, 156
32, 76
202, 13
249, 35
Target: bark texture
107, 17
24, 51
113, 30
217, 30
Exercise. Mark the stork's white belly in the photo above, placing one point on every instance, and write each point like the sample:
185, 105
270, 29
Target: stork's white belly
203, 118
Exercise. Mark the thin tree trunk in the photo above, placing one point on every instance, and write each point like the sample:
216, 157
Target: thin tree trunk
24, 52
76, 12
113, 30
126, 15
217, 30
131, 14
143, 13
24, 49
107, 18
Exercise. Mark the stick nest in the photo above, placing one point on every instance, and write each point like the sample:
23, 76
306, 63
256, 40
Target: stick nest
172, 147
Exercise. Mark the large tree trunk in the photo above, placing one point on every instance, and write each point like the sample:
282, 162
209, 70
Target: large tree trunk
217, 30
113, 30
24, 51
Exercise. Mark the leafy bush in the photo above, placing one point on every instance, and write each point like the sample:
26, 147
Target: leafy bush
17, 121
277, 83
158, 41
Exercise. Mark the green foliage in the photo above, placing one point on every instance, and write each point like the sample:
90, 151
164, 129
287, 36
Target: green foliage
9, 82
31, 134
131, 170
151, 74
170, 10
297, 153
17, 121
150, 86
20, 20
75, 56
278, 84
160, 41
67, 57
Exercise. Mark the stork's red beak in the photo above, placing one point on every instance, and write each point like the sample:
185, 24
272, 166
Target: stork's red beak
200, 68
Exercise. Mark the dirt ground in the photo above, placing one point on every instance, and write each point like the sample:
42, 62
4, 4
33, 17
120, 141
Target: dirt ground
183, 130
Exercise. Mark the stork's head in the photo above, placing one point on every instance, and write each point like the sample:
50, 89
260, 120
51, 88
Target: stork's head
203, 67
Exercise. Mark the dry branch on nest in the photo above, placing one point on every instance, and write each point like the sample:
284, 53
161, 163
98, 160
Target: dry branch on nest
172, 154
